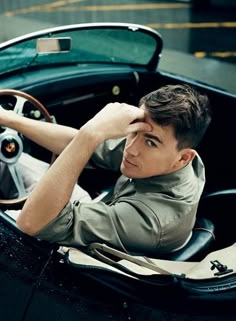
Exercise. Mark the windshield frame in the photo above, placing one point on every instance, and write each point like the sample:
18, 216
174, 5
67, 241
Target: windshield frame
151, 64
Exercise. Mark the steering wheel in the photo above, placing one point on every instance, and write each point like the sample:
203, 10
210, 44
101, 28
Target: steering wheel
11, 144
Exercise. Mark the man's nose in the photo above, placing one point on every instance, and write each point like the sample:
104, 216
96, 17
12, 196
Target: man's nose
133, 145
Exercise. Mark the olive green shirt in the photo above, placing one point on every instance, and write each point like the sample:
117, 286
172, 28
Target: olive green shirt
148, 216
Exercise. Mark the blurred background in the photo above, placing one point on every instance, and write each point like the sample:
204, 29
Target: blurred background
191, 29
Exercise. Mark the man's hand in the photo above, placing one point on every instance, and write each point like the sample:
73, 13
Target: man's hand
117, 120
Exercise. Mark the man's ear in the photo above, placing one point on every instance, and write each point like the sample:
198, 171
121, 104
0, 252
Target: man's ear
186, 156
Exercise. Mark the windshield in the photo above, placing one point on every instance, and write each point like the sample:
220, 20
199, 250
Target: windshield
113, 44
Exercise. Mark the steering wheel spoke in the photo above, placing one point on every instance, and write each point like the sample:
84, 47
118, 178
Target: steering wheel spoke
17, 179
20, 102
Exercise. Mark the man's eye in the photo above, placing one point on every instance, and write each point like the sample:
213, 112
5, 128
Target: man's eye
150, 143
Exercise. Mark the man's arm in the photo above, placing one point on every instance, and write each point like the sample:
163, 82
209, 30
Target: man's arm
53, 191
51, 136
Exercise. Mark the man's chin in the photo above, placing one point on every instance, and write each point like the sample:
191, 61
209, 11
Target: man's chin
127, 172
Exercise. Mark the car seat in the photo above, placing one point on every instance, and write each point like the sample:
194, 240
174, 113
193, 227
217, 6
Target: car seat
201, 239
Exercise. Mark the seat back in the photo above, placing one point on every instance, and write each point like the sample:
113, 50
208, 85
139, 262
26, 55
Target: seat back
201, 239
220, 207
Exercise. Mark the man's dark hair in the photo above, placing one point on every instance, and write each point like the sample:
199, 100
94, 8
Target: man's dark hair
182, 107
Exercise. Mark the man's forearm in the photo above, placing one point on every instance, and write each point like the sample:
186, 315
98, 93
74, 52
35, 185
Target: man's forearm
53, 137
54, 190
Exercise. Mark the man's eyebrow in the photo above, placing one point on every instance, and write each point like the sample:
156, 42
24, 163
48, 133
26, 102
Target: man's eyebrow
153, 137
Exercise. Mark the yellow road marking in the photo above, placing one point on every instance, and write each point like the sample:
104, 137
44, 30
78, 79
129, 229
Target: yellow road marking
125, 7
218, 54
189, 25
41, 7
59, 5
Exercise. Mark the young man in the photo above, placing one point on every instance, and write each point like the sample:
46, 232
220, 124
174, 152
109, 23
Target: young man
153, 208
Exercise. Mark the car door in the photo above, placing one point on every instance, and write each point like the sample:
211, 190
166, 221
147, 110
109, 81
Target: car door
22, 261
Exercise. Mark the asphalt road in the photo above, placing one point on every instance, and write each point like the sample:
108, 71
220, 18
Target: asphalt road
209, 32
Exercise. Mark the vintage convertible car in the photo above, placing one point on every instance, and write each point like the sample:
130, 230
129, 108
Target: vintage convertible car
67, 74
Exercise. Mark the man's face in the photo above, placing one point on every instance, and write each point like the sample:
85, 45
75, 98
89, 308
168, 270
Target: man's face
151, 153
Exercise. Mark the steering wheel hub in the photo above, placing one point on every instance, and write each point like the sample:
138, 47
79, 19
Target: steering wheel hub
11, 147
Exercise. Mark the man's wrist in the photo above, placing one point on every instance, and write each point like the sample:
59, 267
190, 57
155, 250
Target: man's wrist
11, 119
94, 137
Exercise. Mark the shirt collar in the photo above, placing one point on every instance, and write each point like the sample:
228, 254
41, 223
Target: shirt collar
164, 182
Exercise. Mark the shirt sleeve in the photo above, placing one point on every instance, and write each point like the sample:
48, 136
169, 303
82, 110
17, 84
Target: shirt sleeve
127, 225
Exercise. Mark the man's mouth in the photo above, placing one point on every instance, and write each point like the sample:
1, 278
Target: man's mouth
128, 162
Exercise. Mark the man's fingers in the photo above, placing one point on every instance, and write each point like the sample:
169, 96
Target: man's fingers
139, 127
